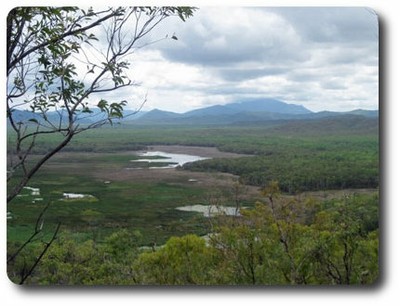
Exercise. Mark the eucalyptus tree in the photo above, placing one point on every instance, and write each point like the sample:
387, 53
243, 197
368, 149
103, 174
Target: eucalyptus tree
59, 61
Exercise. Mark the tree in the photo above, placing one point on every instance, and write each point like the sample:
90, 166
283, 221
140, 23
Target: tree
56, 67
47, 48
88, 262
181, 261
289, 240
347, 242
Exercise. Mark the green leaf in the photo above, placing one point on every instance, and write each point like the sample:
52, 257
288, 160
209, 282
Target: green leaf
102, 105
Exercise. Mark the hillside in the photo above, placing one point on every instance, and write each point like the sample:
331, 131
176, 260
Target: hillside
340, 124
254, 111
268, 105
242, 111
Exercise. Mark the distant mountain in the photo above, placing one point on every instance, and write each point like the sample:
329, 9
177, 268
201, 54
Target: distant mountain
242, 111
269, 105
253, 111
250, 106
23, 116
156, 114
214, 110
83, 118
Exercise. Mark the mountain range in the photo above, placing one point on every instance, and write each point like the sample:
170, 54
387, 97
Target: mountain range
247, 111
242, 112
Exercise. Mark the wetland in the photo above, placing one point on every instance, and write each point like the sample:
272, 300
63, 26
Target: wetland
166, 184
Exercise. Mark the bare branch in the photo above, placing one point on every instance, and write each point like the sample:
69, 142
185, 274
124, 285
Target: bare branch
37, 166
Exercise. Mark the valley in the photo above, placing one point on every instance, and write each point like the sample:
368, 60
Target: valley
103, 185
315, 161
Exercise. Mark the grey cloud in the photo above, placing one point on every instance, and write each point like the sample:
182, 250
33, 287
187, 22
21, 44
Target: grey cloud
338, 24
206, 40
284, 37
307, 74
333, 84
318, 55
272, 35
345, 54
248, 73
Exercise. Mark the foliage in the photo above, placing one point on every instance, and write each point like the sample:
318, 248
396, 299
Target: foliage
348, 240
277, 244
181, 261
71, 262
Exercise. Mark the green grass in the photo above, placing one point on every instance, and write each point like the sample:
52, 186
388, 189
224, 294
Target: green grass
147, 207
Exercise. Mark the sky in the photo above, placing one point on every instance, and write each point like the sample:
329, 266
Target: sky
322, 58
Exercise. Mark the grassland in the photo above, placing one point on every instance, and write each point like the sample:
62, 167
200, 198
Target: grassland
136, 199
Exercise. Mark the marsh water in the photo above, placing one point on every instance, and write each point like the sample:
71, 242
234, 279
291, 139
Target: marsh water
210, 210
173, 160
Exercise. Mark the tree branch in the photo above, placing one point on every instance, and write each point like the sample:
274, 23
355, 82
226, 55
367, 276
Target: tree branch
37, 166
38, 230
11, 64
47, 245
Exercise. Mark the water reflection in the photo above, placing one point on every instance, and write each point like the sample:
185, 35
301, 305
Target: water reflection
172, 159
211, 210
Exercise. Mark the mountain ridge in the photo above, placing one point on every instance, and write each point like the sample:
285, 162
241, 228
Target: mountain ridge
245, 111
251, 110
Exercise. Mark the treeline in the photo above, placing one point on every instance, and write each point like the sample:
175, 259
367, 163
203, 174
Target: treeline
282, 241
301, 171
249, 139
300, 163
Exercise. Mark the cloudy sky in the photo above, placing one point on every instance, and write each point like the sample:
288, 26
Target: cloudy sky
322, 58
